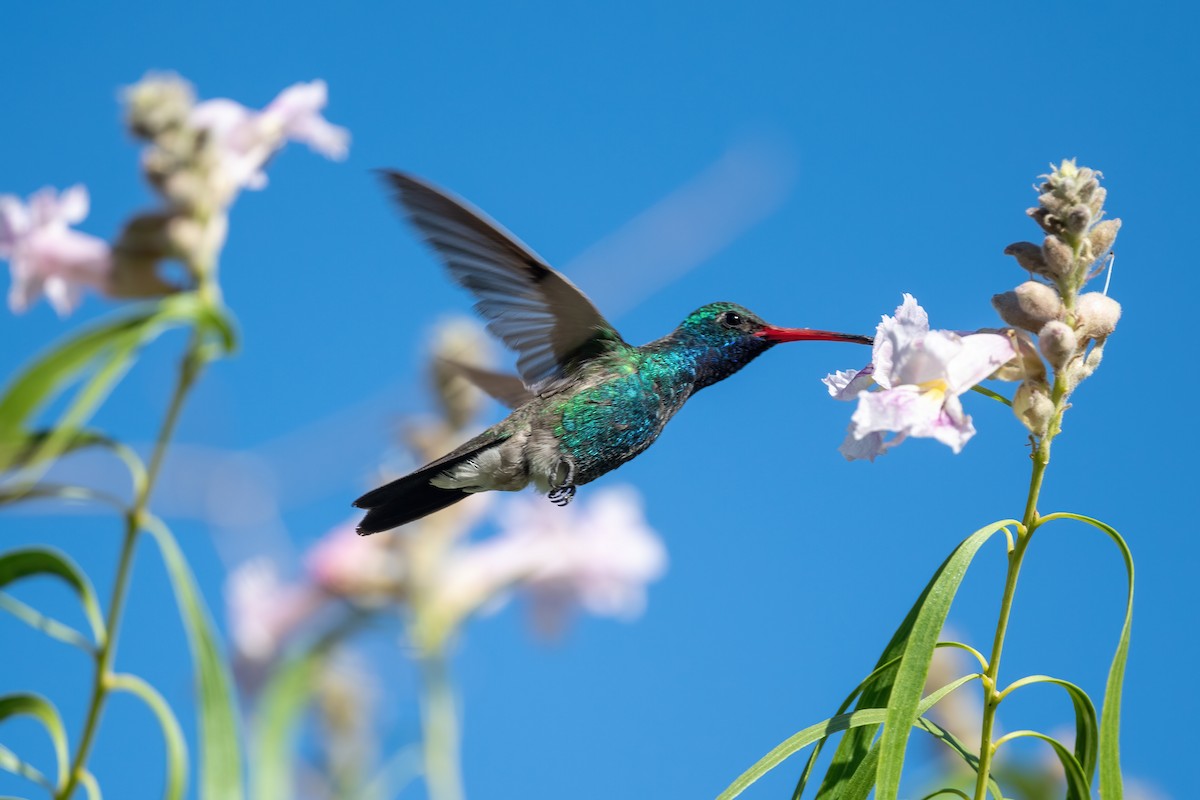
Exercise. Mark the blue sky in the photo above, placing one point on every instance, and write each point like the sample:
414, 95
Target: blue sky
890, 149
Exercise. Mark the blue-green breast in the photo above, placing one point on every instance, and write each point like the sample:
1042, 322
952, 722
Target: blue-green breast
621, 408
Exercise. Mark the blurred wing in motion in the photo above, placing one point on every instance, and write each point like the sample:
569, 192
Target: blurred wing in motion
532, 308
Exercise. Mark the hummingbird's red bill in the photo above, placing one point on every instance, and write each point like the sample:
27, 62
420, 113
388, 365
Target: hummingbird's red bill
776, 335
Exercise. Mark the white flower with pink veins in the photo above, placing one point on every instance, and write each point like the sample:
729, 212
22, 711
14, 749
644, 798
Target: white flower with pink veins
920, 374
243, 139
45, 255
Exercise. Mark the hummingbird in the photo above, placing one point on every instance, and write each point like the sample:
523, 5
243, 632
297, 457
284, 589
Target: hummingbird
585, 400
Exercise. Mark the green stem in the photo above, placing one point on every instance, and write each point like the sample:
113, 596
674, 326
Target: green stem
440, 735
1029, 523
188, 371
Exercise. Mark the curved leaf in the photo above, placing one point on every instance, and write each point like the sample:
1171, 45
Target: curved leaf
59, 491
862, 686
111, 344
855, 744
30, 561
220, 756
1086, 729
11, 762
1077, 781
966, 754
286, 694
41, 709
814, 733
177, 757
904, 701
284, 699
46, 624
1109, 749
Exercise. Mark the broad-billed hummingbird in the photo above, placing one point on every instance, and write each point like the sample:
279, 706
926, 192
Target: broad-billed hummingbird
586, 401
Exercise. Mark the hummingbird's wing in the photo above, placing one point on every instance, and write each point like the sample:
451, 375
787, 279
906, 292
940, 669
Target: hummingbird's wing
532, 308
508, 389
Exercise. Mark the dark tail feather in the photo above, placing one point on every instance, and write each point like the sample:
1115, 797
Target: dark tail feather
411, 497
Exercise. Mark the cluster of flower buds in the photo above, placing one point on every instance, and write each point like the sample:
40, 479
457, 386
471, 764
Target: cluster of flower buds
1071, 326
199, 156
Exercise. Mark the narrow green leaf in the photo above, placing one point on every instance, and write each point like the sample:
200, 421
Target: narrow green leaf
862, 780
11, 762
41, 709
282, 702
1086, 729
862, 686
1109, 750
955, 792
835, 724
175, 786
1077, 781
46, 624
284, 699
112, 345
25, 452
950, 740
220, 756
914, 664
58, 491
797, 741
27, 562
855, 744
90, 785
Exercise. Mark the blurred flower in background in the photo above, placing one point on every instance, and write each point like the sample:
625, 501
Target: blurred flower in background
45, 254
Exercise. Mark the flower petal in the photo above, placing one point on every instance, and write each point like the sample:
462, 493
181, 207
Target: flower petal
846, 384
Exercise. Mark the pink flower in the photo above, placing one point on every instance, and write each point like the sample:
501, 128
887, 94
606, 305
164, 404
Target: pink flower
264, 611
921, 374
598, 555
45, 254
243, 140
346, 564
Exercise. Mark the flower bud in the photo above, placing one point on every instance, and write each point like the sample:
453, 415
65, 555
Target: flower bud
458, 340
1025, 364
1091, 361
1060, 258
1033, 406
1028, 255
1058, 343
1096, 315
1078, 219
1102, 236
158, 103
1030, 306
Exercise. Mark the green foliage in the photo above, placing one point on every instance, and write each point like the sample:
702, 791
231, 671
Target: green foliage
220, 743
33, 561
41, 709
175, 786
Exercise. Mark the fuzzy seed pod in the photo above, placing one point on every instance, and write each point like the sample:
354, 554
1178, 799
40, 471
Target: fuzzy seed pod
1058, 343
458, 340
1091, 361
1060, 258
1033, 406
1028, 255
1030, 306
1102, 235
1096, 315
158, 103
1078, 219
1025, 364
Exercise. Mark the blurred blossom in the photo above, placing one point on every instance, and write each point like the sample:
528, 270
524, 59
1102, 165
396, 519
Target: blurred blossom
264, 611
242, 140
921, 374
346, 564
598, 555
45, 254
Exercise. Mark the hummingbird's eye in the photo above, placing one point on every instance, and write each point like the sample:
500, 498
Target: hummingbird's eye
731, 319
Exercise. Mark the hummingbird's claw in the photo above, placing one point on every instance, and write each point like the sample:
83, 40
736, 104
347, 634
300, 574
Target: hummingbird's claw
562, 495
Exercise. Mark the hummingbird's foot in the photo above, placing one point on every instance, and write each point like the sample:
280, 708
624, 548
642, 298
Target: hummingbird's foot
562, 495
564, 484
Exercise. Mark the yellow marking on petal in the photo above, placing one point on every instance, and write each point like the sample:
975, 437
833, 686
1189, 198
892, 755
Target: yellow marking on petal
935, 389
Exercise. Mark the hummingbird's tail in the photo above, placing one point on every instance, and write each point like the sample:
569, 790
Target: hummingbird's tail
409, 498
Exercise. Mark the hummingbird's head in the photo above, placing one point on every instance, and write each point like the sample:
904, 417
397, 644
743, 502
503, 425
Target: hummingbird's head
727, 337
